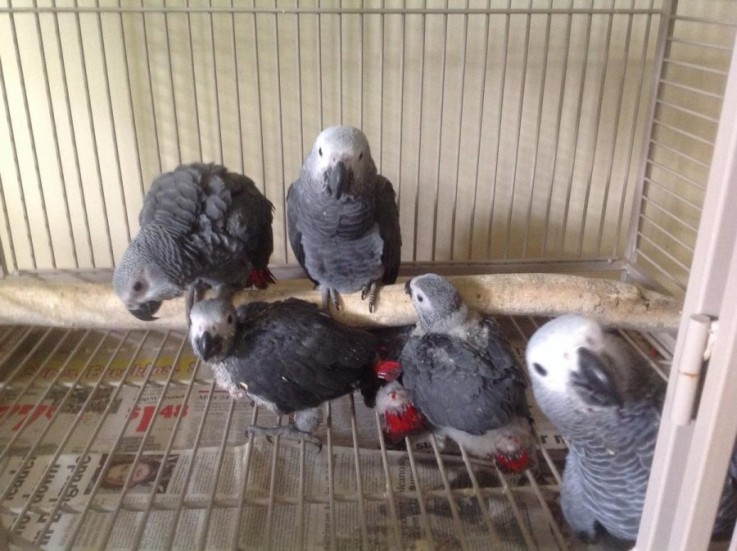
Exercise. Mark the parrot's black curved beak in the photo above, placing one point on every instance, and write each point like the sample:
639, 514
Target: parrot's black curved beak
146, 311
338, 179
206, 346
593, 382
408, 288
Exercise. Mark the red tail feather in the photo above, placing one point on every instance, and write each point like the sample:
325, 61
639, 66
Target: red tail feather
513, 463
261, 278
389, 370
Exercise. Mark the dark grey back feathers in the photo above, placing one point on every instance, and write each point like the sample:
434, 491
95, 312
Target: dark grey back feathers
219, 218
297, 357
457, 385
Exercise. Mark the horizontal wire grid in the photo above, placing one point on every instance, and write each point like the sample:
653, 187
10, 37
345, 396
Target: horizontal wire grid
76, 401
685, 120
508, 127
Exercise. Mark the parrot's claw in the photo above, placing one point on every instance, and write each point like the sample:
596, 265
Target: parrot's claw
330, 295
370, 292
287, 431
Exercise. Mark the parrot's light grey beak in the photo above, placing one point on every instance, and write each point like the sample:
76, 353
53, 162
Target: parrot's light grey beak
338, 179
207, 347
146, 311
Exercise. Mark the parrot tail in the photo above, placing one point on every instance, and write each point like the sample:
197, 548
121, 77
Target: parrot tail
261, 279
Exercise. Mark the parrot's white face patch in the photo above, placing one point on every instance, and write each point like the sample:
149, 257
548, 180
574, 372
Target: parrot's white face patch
341, 143
212, 317
552, 353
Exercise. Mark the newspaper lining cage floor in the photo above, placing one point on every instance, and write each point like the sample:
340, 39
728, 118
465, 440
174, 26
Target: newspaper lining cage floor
80, 408
568, 137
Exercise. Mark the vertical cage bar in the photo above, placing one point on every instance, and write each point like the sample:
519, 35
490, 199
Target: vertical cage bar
401, 114
439, 151
167, 44
9, 231
457, 526
577, 126
396, 530
597, 131
500, 113
518, 130
359, 481
111, 115
300, 93
216, 95
480, 134
93, 131
331, 477
615, 138
194, 80
258, 98
151, 85
205, 526
419, 133
631, 139
236, 73
460, 136
281, 131
666, 26
558, 132
32, 139
73, 132
134, 124
540, 102
246, 470
55, 134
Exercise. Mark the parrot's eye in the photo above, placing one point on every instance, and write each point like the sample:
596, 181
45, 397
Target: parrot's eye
137, 286
230, 319
540, 369
360, 156
319, 151
420, 298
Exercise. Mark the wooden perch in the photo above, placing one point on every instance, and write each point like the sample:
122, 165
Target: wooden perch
31, 301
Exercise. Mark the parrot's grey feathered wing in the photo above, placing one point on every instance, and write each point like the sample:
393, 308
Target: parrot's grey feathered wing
387, 217
209, 208
298, 356
474, 398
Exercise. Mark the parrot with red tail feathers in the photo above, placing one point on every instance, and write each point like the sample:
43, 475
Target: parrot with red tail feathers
463, 376
201, 226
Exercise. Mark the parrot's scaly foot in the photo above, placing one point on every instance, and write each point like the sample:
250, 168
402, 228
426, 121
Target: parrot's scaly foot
329, 295
287, 431
370, 292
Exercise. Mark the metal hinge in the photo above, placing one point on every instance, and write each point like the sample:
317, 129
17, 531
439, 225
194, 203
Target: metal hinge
699, 338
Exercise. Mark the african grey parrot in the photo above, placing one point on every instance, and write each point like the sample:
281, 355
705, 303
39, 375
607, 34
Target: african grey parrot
200, 225
463, 376
607, 404
343, 219
289, 356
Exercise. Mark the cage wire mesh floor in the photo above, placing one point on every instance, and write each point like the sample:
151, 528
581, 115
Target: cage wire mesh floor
80, 408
